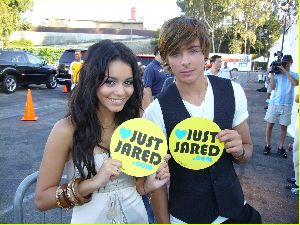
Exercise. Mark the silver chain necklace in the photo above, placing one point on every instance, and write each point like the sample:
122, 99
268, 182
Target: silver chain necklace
202, 103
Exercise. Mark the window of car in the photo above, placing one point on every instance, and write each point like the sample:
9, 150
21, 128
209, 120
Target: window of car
34, 60
145, 59
5, 56
19, 57
68, 56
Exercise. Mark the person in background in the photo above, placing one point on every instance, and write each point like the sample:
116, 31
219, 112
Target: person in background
225, 68
109, 92
294, 186
280, 104
216, 64
213, 194
154, 78
75, 68
207, 64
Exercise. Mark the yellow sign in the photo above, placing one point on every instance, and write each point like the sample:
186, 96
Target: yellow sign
193, 143
141, 146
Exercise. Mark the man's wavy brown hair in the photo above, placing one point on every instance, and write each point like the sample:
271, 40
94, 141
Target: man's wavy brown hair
180, 31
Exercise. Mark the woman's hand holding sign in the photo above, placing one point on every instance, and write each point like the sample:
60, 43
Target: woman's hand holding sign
109, 170
158, 179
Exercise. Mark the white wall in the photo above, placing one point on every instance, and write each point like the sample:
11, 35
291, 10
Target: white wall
290, 46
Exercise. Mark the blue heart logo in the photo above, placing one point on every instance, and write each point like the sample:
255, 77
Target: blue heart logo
125, 133
180, 134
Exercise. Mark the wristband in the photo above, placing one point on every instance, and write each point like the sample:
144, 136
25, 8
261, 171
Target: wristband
241, 155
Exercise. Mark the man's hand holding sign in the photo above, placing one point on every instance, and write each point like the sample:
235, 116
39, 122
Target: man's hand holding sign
197, 143
233, 143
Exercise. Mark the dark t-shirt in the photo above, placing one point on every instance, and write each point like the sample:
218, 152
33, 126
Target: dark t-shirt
154, 77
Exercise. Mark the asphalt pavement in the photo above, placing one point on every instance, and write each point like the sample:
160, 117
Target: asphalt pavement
22, 143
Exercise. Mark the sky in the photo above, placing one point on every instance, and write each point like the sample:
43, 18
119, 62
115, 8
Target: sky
153, 12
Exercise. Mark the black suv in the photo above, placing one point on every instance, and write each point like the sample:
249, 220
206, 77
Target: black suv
63, 75
19, 67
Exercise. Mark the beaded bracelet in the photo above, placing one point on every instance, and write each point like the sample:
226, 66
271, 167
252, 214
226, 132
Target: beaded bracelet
57, 194
81, 199
67, 195
62, 200
240, 156
70, 193
70, 203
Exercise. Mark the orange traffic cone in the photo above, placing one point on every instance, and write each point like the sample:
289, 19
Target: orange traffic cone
29, 114
65, 89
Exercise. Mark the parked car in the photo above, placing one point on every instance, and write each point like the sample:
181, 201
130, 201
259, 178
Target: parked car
144, 60
18, 67
63, 75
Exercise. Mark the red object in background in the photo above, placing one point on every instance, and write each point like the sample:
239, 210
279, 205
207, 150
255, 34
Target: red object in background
133, 11
207, 66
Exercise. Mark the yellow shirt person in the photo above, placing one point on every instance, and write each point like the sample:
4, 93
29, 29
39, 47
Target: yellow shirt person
75, 68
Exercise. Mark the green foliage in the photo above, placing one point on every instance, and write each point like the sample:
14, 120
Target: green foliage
10, 16
50, 55
154, 41
19, 44
235, 23
267, 34
24, 25
248, 16
235, 46
213, 13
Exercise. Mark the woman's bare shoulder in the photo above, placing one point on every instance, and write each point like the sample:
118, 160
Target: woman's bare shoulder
64, 127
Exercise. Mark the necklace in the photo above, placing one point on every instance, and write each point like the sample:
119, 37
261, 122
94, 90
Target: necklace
201, 106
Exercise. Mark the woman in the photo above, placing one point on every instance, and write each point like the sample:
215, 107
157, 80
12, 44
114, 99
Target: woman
108, 93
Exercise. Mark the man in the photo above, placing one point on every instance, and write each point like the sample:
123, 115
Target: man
213, 194
216, 64
225, 68
294, 186
154, 78
75, 68
280, 103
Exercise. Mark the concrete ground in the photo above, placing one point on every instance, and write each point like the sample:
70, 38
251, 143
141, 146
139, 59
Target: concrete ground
21, 148
264, 178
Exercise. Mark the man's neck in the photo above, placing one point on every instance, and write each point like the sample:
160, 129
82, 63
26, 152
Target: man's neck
194, 92
214, 71
158, 59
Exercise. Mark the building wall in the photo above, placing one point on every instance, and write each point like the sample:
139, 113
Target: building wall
68, 23
290, 45
62, 39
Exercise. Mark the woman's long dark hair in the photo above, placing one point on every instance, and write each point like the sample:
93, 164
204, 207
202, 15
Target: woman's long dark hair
84, 103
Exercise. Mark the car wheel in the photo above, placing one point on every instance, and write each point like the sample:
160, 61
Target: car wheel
234, 69
9, 84
52, 82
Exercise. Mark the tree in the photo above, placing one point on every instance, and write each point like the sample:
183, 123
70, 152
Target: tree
268, 33
247, 17
214, 13
10, 16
